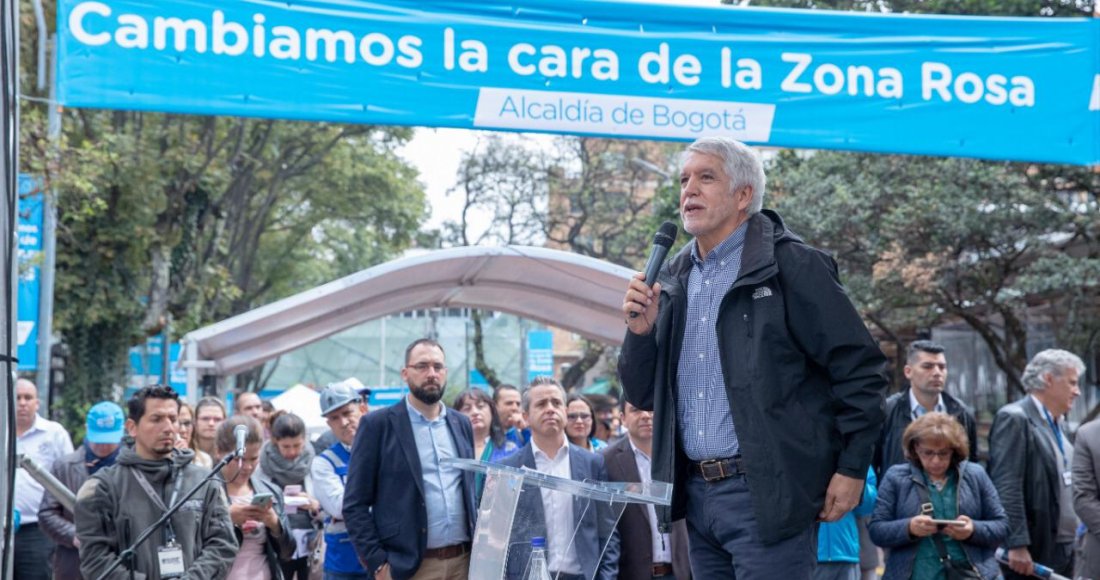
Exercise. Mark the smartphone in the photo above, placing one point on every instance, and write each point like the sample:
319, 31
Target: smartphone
262, 499
949, 522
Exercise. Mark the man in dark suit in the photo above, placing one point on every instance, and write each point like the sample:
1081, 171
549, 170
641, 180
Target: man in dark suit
1030, 461
550, 452
645, 551
408, 514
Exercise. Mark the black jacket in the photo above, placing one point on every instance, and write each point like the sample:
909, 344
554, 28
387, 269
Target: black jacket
804, 378
57, 522
1024, 466
384, 505
899, 415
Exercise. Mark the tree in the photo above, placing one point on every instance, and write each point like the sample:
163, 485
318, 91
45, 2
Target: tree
185, 220
924, 240
590, 196
921, 240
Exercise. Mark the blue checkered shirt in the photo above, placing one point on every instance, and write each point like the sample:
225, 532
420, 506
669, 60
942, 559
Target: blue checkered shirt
702, 408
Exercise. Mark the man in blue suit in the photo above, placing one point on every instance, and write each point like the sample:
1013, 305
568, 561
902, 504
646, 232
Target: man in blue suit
550, 452
409, 515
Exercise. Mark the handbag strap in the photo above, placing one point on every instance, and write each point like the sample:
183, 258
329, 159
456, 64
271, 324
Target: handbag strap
926, 509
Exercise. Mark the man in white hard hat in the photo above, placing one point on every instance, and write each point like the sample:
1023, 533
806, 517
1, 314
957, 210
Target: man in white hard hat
342, 407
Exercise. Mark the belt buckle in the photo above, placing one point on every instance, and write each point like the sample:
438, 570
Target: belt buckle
710, 463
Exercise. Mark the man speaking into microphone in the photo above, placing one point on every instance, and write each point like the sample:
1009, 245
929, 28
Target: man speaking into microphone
766, 387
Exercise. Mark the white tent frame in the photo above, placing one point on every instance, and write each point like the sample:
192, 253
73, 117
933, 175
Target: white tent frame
565, 290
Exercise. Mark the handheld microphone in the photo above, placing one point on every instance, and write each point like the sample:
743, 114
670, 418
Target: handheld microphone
240, 432
662, 242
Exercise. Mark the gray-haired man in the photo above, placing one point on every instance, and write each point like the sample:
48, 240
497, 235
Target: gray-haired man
1030, 459
749, 326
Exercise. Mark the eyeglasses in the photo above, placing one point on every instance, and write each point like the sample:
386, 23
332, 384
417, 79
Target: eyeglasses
579, 416
423, 367
941, 454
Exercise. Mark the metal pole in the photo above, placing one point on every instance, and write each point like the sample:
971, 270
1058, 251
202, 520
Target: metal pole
9, 168
49, 244
382, 356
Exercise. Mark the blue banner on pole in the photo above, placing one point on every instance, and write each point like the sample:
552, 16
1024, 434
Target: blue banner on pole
998, 88
146, 362
30, 269
540, 354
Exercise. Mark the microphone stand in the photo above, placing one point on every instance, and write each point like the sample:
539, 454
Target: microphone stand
127, 555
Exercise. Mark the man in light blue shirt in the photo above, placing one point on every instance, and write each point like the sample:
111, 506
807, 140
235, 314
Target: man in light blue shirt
442, 484
410, 516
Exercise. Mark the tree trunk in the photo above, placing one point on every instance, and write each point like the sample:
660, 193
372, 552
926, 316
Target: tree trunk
575, 375
479, 352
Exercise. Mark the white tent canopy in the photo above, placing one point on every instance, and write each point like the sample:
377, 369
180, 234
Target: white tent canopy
305, 403
569, 291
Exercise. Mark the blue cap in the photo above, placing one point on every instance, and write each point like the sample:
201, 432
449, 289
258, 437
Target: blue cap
105, 423
538, 542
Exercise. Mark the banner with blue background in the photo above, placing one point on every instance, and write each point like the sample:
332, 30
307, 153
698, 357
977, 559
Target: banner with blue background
996, 88
30, 270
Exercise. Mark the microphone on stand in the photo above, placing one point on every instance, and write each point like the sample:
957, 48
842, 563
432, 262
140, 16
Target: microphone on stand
662, 242
240, 432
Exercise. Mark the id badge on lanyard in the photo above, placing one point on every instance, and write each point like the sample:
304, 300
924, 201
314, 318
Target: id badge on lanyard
169, 555
170, 558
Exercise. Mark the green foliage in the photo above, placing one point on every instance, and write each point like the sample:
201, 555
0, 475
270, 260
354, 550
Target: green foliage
185, 220
923, 240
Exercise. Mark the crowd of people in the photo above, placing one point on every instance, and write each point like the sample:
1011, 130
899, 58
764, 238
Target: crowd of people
379, 503
751, 385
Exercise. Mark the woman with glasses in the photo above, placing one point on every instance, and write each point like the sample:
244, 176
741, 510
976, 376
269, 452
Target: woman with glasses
580, 423
255, 506
938, 511
187, 432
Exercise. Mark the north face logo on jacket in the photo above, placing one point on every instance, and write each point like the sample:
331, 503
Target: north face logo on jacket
761, 292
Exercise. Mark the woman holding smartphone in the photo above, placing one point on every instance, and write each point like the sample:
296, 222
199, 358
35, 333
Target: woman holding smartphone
938, 505
285, 461
255, 506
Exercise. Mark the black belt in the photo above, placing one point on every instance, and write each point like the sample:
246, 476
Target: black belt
719, 469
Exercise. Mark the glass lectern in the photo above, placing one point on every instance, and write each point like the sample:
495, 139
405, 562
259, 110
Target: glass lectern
512, 512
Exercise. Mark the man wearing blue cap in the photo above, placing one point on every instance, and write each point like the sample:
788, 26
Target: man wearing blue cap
105, 426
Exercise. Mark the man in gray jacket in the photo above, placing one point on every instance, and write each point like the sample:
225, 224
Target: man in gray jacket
115, 505
102, 440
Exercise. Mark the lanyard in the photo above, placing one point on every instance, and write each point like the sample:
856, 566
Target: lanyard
169, 533
1057, 437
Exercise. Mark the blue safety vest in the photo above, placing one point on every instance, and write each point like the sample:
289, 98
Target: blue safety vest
339, 552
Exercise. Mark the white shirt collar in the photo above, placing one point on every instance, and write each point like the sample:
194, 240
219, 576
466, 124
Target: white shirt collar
36, 426
413, 409
563, 449
1041, 407
916, 409
638, 451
